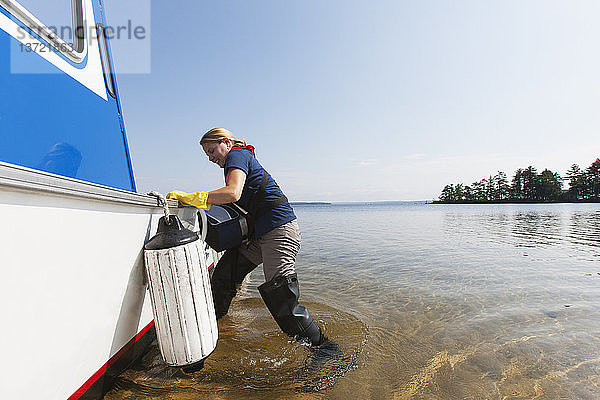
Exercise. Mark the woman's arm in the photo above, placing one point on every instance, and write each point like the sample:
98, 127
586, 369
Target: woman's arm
232, 191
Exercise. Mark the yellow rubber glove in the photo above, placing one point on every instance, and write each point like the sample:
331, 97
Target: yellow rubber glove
196, 199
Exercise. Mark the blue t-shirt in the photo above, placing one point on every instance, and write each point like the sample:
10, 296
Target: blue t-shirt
283, 213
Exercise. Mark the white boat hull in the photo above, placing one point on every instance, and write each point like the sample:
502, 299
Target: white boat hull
74, 288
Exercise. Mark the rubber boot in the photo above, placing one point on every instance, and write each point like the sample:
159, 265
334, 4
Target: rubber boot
281, 297
229, 273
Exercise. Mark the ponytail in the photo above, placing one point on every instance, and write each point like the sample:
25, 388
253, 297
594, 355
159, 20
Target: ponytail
215, 135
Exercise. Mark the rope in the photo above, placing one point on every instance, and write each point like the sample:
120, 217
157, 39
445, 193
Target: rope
162, 202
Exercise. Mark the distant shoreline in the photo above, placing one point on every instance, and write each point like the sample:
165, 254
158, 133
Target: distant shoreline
357, 203
310, 203
383, 202
516, 202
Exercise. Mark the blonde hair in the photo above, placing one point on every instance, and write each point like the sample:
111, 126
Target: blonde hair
215, 135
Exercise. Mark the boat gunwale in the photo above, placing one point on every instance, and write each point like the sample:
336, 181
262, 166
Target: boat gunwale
22, 178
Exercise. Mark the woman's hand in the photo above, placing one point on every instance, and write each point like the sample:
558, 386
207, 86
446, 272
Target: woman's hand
196, 199
227, 194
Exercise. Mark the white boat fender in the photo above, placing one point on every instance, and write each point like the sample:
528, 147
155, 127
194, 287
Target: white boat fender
180, 292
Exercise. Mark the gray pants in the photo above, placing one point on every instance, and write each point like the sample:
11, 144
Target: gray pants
276, 250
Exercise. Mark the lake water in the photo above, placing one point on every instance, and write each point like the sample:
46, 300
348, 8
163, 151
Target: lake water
425, 301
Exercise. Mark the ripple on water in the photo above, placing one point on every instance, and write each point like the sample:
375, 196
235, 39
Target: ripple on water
252, 357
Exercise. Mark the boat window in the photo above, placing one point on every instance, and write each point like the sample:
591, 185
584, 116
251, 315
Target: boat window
59, 23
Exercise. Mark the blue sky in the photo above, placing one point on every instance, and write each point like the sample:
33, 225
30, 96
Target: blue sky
366, 100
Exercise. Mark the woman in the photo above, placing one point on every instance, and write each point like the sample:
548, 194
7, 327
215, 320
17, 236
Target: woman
274, 241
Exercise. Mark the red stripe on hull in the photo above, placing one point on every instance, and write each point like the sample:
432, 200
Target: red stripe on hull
79, 392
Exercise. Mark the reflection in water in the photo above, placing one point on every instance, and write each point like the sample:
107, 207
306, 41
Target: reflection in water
426, 302
584, 229
533, 228
62, 159
252, 355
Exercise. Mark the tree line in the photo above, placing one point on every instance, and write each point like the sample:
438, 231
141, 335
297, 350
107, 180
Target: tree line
529, 186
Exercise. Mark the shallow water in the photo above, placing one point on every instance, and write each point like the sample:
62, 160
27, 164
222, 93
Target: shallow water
425, 301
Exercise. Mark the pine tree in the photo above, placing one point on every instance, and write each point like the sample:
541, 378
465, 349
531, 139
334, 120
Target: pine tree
516, 187
593, 180
502, 188
550, 186
531, 187
447, 195
576, 182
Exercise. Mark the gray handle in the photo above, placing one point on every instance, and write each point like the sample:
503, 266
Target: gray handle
204, 224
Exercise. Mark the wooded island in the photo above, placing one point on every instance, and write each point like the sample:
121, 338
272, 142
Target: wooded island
529, 186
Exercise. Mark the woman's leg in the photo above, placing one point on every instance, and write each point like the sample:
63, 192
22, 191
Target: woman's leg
280, 292
229, 273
